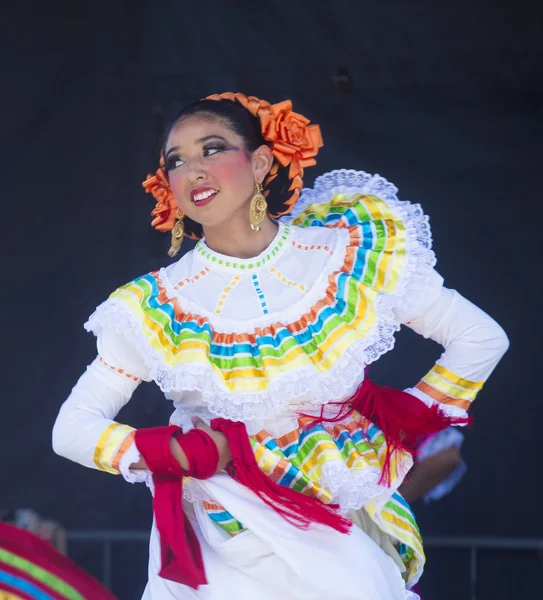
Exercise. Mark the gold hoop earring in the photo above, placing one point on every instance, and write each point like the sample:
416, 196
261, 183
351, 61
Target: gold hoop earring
257, 209
177, 234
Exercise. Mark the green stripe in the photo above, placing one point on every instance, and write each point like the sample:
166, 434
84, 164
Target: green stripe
402, 512
374, 255
232, 526
308, 446
39, 574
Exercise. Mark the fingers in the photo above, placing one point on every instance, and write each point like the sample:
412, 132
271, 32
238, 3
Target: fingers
197, 423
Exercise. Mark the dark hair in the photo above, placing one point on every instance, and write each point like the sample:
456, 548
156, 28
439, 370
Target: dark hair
247, 126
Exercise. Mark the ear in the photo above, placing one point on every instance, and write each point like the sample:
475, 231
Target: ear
262, 160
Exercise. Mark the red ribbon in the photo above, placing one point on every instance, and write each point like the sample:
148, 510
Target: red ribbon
181, 557
402, 417
296, 508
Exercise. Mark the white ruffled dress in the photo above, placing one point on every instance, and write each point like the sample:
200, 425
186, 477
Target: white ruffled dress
263, 340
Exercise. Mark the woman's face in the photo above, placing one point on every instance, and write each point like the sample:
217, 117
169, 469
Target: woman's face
211, 174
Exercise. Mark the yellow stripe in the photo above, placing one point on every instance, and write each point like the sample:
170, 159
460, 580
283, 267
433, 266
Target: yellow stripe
373, 207
9, 596
317, 457
404, 527
450, 390
101, 443
456, 380
376, 208
112, 446
399, 258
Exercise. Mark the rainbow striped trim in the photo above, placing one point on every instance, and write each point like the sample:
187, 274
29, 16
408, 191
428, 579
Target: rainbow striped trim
298, 459
446, 387
247, 362
30, 568
25, 577
223, 518
113, 443
396, 519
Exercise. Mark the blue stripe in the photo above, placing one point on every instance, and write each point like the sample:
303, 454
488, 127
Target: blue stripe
24, 586
400, 500
289, 476
220, 516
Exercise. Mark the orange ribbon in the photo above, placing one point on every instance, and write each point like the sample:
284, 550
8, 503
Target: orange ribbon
294, 144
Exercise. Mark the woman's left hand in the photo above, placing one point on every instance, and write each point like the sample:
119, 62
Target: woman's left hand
220, 441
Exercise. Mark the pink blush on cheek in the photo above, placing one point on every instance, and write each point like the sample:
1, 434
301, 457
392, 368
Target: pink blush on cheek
230, 168
233, 167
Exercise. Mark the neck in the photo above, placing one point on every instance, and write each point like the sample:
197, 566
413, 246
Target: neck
240, 240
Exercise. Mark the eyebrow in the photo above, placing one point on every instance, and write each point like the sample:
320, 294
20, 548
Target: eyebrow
199, 141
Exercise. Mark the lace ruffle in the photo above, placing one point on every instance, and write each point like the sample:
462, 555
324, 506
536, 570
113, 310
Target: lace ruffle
291, 386
420, 256
337, 384
130, 457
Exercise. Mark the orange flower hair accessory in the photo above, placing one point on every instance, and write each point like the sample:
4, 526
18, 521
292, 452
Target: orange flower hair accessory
294, 143
166, 206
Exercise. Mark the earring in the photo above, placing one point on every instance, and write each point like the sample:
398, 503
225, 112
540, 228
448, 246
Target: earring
177, 234
257, 209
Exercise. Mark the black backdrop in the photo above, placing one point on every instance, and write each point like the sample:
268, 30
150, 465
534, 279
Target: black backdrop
446, 103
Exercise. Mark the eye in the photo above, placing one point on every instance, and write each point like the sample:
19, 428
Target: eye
173, 162
213, 149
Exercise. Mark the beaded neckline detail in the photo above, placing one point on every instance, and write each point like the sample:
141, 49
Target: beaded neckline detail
231, 263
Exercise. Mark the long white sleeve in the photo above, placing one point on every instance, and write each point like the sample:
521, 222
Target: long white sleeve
85, 431
474, 344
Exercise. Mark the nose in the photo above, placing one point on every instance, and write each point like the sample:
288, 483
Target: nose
196, 171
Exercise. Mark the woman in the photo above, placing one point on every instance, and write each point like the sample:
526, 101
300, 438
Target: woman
260, 337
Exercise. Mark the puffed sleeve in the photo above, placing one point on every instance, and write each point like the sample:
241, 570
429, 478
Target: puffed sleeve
85, 430
473, 345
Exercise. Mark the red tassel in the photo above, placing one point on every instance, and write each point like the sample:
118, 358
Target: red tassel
402, 417
180, 553
299, 510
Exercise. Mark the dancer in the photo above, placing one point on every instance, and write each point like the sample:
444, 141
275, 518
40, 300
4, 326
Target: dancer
260, 336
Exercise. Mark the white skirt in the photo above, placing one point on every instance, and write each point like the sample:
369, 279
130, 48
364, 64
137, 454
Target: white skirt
275, 560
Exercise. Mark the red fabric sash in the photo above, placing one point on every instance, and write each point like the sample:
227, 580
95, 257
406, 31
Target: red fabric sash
402, 417
181, 557
297, 509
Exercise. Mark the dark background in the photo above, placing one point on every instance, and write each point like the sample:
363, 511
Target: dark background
445, 102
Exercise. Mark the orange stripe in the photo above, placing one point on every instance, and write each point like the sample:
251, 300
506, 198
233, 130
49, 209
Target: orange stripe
212, 506
123, 448
239, 338
440, 397
288, 438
